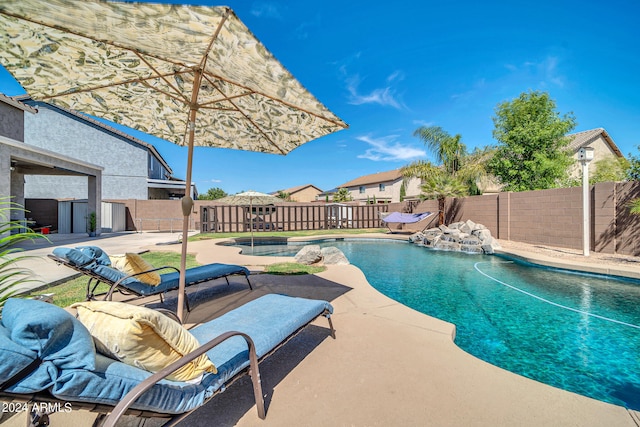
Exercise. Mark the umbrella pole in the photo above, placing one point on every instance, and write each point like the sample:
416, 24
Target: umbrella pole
251, 221
187, 201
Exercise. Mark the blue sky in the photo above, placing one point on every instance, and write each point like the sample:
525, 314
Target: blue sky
387, 69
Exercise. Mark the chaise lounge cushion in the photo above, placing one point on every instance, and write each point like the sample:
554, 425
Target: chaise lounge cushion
75, 256
13, 357
53, 334
98, 255
268, 320
141, 337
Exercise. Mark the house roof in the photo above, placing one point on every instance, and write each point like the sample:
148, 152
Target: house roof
375, 178
294, 190
17, 104
582, 139
98, 124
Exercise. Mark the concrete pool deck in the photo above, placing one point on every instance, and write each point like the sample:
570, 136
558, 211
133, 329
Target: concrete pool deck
388, 366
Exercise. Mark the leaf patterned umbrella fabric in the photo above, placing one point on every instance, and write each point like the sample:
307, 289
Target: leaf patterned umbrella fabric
192, 75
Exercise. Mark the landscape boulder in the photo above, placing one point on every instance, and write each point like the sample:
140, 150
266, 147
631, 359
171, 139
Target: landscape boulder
333, 256
312, 254
309, 254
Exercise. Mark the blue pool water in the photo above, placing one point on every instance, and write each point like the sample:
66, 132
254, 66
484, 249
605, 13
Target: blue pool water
574, 331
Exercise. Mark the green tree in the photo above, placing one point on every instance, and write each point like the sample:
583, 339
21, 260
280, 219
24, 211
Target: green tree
213, 194
531, 154
342, 195
457, 172
609, 169
633, 170
12, 233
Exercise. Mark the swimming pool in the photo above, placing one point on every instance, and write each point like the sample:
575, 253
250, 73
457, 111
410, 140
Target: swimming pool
579, 332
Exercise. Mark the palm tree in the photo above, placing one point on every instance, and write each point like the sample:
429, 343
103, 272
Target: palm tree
458, 173
634, 206
441, 186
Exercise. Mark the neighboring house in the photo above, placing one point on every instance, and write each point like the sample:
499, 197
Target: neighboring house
132, 169
19, 160
302, 193
602, 144
382, 187
598, 139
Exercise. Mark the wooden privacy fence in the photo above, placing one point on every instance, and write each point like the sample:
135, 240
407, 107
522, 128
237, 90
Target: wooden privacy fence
289, 217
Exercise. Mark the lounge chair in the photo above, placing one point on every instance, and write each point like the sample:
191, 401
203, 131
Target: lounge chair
405, 218
95, 263
49, 356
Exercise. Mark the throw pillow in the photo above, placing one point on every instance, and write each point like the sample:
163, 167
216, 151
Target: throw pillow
142, 337
131, 264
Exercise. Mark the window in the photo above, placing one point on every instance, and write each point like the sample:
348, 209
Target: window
362, 189
381, 187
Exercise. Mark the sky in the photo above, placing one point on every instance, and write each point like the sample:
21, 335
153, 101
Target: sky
387, 69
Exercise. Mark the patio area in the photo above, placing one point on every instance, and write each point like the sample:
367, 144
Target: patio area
389, 365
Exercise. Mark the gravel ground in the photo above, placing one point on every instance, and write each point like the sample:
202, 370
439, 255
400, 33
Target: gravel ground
572, 254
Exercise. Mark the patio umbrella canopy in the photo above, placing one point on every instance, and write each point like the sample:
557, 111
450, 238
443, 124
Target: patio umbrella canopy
192, 75
251, 199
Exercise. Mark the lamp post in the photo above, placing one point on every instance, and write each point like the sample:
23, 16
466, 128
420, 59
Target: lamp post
585, 155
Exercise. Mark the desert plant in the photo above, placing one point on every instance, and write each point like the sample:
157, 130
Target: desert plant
11, 233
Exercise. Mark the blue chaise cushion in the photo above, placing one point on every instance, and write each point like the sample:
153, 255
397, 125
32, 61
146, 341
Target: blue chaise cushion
13, 357
58, 339
268, 320
197, 274
75, 257
96, 253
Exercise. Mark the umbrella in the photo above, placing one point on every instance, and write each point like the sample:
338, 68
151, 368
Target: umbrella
251, 198
187, 74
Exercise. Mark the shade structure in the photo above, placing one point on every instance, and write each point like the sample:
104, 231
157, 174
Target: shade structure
251, 198
192, 75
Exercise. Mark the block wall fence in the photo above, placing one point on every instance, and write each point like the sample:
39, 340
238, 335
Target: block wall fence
547, 217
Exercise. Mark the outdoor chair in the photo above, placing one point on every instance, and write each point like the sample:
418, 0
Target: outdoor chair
50, 356
93, 262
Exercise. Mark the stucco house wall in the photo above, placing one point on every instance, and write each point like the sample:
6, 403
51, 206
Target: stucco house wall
125, 163
602, 149
383, 186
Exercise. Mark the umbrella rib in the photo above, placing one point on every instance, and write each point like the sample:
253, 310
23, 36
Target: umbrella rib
252, 92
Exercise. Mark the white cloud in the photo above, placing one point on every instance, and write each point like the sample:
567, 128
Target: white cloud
385, 96
545, 71
388, 149
266, 10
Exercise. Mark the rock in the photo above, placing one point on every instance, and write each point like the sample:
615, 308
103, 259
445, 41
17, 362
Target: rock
333, 256
467, 227
431, 239
444, 228
465, 236
447, 246
308, 255
416, 237
474, 249
490, 245
482, 234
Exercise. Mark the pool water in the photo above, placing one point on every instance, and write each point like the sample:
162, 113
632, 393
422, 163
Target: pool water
575, 331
